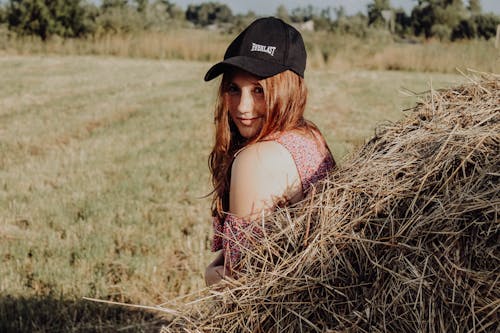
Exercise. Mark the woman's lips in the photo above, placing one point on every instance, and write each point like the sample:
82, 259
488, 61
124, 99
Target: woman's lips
247, 121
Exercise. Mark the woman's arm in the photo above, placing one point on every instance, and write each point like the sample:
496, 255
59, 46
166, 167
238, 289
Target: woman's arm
262, 175
216, 271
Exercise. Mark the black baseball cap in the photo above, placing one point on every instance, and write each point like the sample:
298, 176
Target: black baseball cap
268, 46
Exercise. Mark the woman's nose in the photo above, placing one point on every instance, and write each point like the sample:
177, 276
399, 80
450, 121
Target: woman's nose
246, 102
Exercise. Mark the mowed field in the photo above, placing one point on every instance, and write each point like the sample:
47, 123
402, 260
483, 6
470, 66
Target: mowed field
104, 178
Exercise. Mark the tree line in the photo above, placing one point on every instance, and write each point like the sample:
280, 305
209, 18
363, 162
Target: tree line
443, 19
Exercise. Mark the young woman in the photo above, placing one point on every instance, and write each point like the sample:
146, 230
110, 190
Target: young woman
265, 154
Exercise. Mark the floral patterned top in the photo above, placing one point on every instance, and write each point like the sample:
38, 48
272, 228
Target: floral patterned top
231, 233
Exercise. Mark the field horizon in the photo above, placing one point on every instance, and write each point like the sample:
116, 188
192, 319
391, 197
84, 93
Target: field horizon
378, 50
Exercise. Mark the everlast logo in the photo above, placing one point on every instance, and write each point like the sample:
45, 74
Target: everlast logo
262, 48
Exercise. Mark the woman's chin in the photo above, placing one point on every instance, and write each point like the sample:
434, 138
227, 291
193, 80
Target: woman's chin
248, 133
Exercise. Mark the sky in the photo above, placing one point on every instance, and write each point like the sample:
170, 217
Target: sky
268, 7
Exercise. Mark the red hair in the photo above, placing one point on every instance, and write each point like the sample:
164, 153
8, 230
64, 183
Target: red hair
286, 96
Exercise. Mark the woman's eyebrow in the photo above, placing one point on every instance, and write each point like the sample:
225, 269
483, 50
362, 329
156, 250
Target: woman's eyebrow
253, 83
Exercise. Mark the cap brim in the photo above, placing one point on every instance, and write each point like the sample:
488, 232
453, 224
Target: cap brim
254, 66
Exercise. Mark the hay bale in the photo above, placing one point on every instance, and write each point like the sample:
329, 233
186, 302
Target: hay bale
404, 237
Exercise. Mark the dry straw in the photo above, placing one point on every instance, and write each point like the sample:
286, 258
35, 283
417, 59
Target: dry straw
404, 237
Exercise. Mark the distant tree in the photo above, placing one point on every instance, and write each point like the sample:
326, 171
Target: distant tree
3, 14
91, 14
118, 17
160, 15
477, 25
339, 12
474, 6
422, 19
466, 29
302, 14
437, 17
175, 12
44, 18
486, 25
30, 18
375, 10
209, 13
109, 4
142, 5
402, 22
441, 31
241, 21
282, 13
324, 20
450, 13
352, 25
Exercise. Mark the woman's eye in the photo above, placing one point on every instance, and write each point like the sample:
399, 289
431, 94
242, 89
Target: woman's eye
232, 89
258, 90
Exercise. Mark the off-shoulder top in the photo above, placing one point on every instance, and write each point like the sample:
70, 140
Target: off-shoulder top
231, 233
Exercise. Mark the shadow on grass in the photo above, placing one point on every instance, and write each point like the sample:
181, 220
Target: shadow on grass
49, 314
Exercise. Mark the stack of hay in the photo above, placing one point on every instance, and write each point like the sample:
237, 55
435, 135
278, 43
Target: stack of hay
404, 237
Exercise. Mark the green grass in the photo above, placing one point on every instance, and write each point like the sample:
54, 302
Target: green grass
103, 177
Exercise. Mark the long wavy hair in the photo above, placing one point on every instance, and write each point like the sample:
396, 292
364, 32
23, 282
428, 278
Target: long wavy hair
285, 95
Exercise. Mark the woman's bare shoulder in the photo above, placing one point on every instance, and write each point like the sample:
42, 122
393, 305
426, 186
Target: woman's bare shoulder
264, 153
261, 173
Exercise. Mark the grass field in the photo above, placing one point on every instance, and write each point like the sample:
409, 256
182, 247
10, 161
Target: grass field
326, 50
103, 177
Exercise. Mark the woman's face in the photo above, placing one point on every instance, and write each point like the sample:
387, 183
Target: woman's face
247, 106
